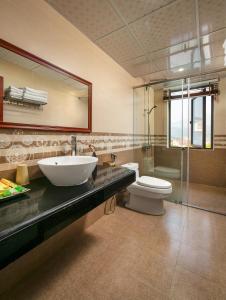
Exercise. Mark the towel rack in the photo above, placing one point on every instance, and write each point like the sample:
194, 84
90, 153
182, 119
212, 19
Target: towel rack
21, 104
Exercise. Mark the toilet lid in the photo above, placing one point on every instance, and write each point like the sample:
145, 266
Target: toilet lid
153, 182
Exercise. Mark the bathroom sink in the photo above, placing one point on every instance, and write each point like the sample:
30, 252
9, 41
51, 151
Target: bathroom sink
68, 170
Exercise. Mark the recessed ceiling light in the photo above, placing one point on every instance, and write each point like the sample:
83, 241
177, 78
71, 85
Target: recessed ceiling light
181, 70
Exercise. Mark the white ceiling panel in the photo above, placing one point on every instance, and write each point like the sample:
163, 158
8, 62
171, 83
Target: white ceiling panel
214, 44
138, 66
159, 64
182, 55
120, 45
167, 26
134, 9
187, 57
154, 39
95, 18
169, 74
215, 63
161, 75
212, 15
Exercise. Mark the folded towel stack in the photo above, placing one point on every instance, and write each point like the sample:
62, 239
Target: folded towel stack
15, 93
27, 94
35, 96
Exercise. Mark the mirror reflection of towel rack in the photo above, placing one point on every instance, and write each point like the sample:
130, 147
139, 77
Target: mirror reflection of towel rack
21, 104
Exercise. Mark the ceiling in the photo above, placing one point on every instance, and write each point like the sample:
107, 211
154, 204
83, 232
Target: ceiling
154, 39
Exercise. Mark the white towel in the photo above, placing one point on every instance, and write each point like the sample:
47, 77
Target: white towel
14, 96
36, 92
28, 95
15, 89
34, 99
33, 96
13, 92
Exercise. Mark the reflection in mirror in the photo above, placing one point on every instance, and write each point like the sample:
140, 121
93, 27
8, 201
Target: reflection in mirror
35, 94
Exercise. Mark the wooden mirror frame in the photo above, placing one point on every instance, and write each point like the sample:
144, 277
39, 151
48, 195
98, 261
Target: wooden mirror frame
21, 52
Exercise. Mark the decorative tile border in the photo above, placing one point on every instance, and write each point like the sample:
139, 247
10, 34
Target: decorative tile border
219, 141
18, 146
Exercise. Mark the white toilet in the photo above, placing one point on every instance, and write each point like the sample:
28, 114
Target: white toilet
147, 193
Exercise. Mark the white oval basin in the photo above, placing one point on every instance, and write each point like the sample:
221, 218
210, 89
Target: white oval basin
68, 170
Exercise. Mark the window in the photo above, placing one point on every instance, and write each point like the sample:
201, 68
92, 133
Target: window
198, 112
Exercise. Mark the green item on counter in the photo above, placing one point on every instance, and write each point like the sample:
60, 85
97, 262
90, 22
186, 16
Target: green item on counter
19, 188
6, 193
12, 190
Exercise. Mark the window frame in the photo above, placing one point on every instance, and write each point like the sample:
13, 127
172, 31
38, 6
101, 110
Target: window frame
191, 123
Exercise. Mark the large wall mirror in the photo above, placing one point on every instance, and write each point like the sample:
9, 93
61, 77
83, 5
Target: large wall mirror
35, 94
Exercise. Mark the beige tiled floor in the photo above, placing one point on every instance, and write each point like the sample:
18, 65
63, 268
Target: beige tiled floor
181, 255
208, 197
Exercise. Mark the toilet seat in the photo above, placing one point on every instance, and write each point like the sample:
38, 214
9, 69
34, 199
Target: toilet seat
148, 191
153, 182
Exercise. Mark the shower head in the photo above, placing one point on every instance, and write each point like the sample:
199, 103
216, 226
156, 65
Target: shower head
150, 110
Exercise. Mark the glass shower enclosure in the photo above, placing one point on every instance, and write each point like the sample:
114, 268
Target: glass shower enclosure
161, 125
175, 139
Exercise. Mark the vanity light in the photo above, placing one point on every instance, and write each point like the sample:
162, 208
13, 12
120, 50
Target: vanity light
181, 70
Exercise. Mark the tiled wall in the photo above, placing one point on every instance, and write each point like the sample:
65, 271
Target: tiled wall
18, 146
205, 166
219, 141
208, 167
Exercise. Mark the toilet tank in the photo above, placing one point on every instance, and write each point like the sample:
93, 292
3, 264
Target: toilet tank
132, 166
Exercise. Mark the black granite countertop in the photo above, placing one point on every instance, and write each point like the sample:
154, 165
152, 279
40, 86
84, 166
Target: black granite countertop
28, 220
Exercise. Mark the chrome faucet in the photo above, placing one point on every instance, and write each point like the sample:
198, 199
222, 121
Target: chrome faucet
73, 145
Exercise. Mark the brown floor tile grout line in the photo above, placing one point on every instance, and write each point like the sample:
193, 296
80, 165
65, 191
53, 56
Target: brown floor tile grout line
204, 209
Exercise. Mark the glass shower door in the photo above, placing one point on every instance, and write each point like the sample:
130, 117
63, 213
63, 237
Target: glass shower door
161, 125
171, 154
143, 129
